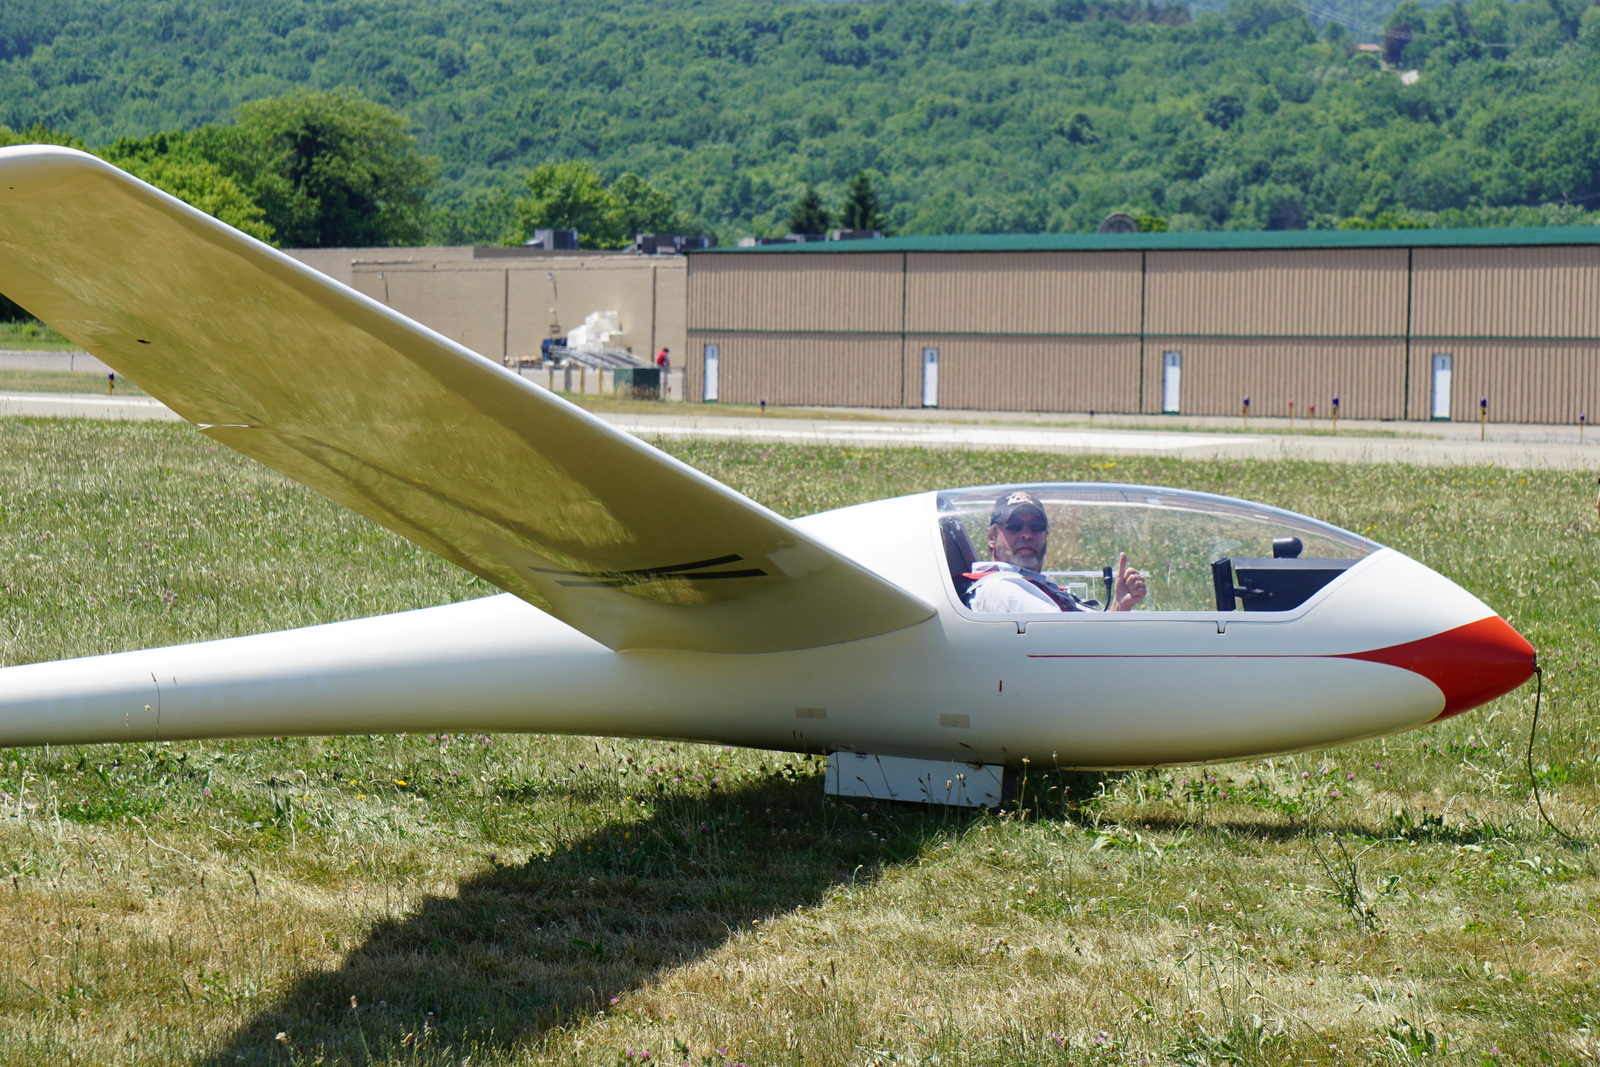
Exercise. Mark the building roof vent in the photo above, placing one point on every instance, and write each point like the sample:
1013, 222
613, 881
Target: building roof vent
554, 240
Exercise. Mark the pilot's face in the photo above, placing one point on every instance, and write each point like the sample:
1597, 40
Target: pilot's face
1020, 540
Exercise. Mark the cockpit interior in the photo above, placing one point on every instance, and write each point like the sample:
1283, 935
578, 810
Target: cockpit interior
1198, 552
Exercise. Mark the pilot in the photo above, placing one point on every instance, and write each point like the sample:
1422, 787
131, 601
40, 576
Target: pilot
1012, 583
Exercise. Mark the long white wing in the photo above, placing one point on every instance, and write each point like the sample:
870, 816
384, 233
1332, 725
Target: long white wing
611, 536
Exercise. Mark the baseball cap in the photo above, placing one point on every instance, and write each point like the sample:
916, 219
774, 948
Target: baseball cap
1012, 502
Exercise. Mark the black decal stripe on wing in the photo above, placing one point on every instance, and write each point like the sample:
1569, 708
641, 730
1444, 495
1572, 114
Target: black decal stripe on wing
670, 569
639, 578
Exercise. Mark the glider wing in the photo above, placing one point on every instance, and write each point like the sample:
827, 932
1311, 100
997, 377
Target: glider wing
442, 446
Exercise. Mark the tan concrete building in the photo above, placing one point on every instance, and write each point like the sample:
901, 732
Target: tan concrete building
1411, 324
501, 302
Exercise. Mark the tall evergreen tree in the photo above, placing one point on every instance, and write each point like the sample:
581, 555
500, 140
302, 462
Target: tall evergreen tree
808, 215
861, 210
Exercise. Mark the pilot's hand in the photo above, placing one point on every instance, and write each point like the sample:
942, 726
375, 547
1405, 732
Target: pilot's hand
1129, 587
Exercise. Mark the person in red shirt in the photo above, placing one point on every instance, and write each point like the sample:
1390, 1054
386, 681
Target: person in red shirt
662, 361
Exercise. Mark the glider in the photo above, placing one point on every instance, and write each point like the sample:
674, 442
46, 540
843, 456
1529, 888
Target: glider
644, 599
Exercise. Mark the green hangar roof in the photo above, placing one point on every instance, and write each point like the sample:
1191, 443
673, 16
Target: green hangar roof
1206, 241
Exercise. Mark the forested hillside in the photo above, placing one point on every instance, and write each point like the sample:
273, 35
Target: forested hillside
991, 116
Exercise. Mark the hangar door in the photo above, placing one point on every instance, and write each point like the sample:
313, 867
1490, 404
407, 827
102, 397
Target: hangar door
1171, 381
930, 377
712, 385
1443, 368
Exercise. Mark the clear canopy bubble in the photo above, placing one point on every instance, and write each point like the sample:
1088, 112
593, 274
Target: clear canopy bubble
1176, 538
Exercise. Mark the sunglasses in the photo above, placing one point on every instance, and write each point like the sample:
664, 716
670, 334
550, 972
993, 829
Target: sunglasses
1031, 527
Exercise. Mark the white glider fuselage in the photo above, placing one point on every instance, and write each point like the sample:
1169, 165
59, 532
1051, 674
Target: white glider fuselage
651, 600
1388, 646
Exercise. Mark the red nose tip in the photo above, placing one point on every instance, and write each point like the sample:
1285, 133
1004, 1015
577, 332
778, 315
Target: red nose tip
1471, 664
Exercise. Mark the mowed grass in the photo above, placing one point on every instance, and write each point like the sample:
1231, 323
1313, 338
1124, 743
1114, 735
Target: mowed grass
64, 381
531, 900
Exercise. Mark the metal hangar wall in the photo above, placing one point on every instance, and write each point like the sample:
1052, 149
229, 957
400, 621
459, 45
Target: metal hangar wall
1411, 324
501, 302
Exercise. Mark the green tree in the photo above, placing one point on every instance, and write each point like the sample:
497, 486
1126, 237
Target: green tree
1224, 109
38, 134
1258, 18
1385, 220
570, 196
1079, 129
642, 208
808, 215
481, 217
1589, 29
974, 107
171, 163
1401, 30
328, 168
861, 210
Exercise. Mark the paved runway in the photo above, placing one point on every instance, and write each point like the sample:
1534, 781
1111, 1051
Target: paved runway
1451, 450
80, 362
924, 435
84, 406
1529, 448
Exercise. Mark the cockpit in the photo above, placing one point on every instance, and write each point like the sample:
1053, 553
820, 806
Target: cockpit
1196, 552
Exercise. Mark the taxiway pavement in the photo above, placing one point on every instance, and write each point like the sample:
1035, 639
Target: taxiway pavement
1428, 444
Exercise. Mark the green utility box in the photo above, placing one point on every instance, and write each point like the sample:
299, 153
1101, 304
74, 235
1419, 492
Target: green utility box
637, 383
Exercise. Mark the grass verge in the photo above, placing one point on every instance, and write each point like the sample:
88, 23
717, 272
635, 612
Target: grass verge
30, 335
63, 381
529, 900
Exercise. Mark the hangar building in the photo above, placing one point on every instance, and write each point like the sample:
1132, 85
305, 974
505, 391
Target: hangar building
1408, 324
501, 302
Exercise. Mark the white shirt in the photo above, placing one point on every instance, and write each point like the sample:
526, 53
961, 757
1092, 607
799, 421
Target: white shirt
1005, 589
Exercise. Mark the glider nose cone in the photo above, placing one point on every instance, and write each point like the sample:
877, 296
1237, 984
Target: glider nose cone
1478, 662
1470, 664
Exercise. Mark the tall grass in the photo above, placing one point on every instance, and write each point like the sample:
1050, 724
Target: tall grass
34, 336
525, 899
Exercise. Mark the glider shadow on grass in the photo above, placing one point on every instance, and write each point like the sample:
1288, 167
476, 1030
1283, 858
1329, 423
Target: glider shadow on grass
555, 939
529, 945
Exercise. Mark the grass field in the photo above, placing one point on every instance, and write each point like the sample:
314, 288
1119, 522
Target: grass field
531, 900
62, 381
